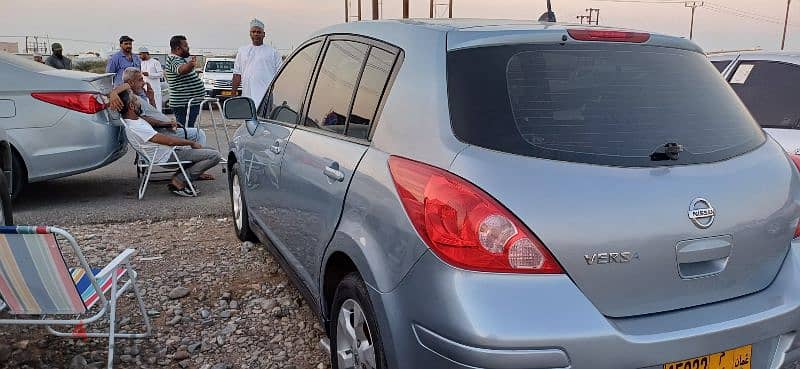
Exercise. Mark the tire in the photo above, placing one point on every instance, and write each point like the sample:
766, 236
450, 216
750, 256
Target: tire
7, 216
19, 176
351, 299
241, 220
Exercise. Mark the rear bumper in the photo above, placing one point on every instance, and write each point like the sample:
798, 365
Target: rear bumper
78, 143
442, 317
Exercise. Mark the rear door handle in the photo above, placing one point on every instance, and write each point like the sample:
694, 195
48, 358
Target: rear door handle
332, 171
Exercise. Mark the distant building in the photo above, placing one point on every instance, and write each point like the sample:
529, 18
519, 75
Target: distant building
9, 47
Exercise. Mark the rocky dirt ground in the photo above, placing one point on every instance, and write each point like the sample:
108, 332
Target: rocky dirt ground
215, 303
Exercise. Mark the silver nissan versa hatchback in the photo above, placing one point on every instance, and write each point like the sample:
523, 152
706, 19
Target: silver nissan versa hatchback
519, 195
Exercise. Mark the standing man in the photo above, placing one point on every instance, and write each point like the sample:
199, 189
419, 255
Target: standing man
151, 70
184, 84
58, 60
255, 65
122, 59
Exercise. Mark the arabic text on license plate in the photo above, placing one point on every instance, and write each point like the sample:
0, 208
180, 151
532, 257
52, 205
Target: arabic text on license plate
226, 93
738, 358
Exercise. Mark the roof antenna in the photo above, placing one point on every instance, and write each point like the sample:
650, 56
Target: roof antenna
548, 16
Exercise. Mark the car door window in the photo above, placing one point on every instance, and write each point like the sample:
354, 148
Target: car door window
333, 92
370, 89
284, 100
769, 90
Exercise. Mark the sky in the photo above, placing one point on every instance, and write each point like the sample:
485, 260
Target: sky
222, 25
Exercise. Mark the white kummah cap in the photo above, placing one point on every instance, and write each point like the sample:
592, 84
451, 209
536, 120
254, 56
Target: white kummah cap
143, 50
256, 23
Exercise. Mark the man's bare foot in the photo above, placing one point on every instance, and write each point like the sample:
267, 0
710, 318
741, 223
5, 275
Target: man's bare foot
206, 177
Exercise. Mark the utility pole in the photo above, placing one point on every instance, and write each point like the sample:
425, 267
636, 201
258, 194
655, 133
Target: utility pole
346, 11
694, 5
785, 24
431, 12
405, 9
375, 14
359, 9
450, 8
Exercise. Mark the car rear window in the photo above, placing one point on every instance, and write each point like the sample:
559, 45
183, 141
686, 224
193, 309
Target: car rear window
607, 104
769, 90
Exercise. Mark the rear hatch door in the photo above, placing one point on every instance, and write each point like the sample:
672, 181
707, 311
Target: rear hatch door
635, 164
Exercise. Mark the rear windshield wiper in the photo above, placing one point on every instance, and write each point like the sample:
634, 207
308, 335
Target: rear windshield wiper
670, 151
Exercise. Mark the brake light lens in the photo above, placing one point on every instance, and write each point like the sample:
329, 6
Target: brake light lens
84, 102
607, 35
466, 227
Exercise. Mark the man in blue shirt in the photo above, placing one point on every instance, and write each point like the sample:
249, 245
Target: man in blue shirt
124, 58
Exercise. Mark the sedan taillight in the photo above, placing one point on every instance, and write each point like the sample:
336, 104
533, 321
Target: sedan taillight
466, 227
84, 102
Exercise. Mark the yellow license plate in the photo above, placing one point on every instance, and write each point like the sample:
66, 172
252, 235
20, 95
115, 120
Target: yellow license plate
738, 358
226, 93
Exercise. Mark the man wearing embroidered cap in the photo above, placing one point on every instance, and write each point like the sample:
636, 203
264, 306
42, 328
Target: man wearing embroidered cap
256, 65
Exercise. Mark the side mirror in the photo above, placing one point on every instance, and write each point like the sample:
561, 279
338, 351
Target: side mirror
243, 108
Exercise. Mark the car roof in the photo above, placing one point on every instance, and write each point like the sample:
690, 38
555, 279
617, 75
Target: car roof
464, 30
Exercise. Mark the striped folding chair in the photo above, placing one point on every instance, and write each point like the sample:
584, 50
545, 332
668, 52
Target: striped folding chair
37, 286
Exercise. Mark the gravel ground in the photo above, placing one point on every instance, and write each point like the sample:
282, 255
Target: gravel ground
215, 303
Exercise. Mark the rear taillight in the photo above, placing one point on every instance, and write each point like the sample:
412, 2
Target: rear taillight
84, 102
607, 35
466, 227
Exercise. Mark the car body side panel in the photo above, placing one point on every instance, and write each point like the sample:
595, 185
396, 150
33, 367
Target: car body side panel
75, 144
374, 230
315, 200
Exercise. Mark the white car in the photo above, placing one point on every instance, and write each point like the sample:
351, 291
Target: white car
217, 77
767, 83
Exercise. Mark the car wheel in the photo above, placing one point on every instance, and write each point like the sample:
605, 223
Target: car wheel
19, 176
355, 339
6, 215
241, 220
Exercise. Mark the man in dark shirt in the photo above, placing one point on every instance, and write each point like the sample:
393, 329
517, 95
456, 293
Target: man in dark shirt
58, 60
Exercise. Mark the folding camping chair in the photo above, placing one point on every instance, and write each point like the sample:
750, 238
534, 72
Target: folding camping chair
36, 285
145, 153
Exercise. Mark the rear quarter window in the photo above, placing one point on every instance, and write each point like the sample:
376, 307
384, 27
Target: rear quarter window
607, 104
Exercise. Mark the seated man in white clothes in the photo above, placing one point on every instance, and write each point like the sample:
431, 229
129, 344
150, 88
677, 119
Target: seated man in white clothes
158, 146
160, 122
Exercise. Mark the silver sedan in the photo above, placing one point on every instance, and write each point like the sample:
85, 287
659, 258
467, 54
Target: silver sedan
55, 123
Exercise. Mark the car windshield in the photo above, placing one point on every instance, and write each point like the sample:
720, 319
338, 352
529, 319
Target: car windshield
600, 103
219, 66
